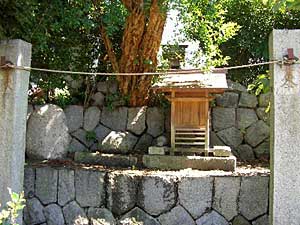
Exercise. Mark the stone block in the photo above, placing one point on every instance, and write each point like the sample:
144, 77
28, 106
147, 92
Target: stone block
247, 100
240, 220
102, 87
195, 194
82, 136
153, 150
91, 118
143, 143
89, 186
245, 152
54, 215
263, 220
263, 115
245, 117
155, 121
74, 117
211, 218
119, 121
231, 136
236, 87
160, 141
178, 215
74, 215
46, 185
214, 140
47, 134
33, 212
66, 186
136, 122
101, 216
98, 99
222, 151
101, 132
263, 150
257, 133
29, 180
264, 99
121, 191
118, 142
165, 162
223, 118
228, 100
76, 146
253, 200
226, 196
109, 160
137, 216
156, 194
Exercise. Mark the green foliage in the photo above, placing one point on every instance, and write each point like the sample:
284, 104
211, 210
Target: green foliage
204, 22
9, 213
250, 45
261, 84
90, 135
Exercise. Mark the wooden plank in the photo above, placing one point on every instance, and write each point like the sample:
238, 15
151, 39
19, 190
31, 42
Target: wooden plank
182, 133
190, 99
190, 138
190, 128
189, 143
172, 125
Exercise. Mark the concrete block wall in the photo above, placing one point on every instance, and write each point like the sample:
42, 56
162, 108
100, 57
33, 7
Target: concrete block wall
58, 196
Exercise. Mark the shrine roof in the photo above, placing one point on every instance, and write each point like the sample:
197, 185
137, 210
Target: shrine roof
193, 81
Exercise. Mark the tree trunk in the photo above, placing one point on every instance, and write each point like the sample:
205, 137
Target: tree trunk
140, 46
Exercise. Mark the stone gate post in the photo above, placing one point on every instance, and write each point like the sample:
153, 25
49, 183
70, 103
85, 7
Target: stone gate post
285, 130
13, 111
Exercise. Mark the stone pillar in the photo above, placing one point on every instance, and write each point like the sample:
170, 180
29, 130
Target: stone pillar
13, 111
285, 130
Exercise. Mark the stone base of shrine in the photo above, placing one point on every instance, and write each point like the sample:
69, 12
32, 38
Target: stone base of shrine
168, 162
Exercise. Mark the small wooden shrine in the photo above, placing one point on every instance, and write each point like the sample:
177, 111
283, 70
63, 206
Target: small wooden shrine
190, 96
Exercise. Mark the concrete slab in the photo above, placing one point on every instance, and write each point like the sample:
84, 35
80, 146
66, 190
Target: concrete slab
113, 160
168, 162
285, 126
222, 151
154, 150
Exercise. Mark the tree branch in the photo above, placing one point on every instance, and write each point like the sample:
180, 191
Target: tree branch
109, 48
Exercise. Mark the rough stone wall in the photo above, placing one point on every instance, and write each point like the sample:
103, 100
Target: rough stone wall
240, 120
58, 196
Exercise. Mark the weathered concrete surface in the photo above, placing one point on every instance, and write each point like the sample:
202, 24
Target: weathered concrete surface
193, 162
285, 126
13, 111
106, 159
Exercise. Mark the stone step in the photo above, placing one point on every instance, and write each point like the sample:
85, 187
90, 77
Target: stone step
168, 162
